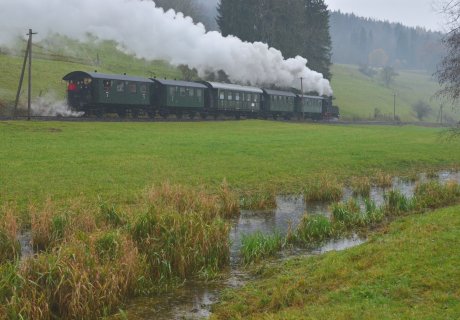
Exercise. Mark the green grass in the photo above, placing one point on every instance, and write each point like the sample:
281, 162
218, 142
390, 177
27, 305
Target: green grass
119, 160
407, 271
358, 95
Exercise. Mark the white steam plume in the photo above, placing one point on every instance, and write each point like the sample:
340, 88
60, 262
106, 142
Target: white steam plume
151, 33
49, 105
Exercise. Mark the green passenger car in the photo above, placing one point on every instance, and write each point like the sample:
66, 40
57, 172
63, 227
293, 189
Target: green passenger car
310, 106
233, 99
178, 96
279, 103
93, 92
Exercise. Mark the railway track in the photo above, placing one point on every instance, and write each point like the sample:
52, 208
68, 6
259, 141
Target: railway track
212, 119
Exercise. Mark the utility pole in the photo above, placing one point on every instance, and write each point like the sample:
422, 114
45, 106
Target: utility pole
21, 79
301, 89
29, 93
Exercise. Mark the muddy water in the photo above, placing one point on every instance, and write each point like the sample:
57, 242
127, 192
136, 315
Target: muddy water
194, 299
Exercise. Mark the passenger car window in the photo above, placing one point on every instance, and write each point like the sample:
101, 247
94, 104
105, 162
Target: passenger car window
132, 88
120, 86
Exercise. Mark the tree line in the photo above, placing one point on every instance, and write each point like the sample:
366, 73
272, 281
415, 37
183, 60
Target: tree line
295, 27
363, 41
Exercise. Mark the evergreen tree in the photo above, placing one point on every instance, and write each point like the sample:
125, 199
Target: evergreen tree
317, 39
296, 27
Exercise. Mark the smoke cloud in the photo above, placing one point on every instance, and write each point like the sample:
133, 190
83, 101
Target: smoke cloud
148, 32
49, 106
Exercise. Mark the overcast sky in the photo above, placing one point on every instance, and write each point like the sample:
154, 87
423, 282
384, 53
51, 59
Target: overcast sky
408, 12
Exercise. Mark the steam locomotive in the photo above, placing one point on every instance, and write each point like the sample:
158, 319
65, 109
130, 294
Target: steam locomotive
97, 94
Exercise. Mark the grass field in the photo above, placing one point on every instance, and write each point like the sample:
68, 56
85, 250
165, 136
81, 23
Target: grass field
406, 271
118, 160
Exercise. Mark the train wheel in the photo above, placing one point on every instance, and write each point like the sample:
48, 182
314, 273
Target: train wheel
99, 113
191, 115
122, 114
135, 113
275, 116
203, 116
237, 116
179, 115
151, 114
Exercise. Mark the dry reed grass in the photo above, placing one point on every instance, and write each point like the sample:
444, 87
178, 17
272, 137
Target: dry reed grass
9, 245
361, 186
325, 188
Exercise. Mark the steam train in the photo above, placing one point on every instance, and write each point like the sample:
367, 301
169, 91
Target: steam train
97, 94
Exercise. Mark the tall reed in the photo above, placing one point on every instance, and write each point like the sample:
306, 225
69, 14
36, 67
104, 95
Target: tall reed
361, 186
433, 194
313, 228
257, 246
325, 188
73, 282
178, 245
9, 244
183, 199
397, 203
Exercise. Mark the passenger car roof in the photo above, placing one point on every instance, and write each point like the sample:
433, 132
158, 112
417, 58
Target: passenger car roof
234, 87
179, 83
279, 93
97, 75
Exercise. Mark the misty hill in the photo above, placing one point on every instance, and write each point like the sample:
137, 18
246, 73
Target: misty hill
360, 41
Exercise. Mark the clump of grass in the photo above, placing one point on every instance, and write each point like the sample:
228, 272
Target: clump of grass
178, 245
325, 188
383, 180
110, 215
349, 214
259, 201
48, 226
432, 174
361, 186
257, 246
345, 214
73, 283
313, 228
9, 245
107, 245
396, 203
229, 201
435, 195
185, 200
